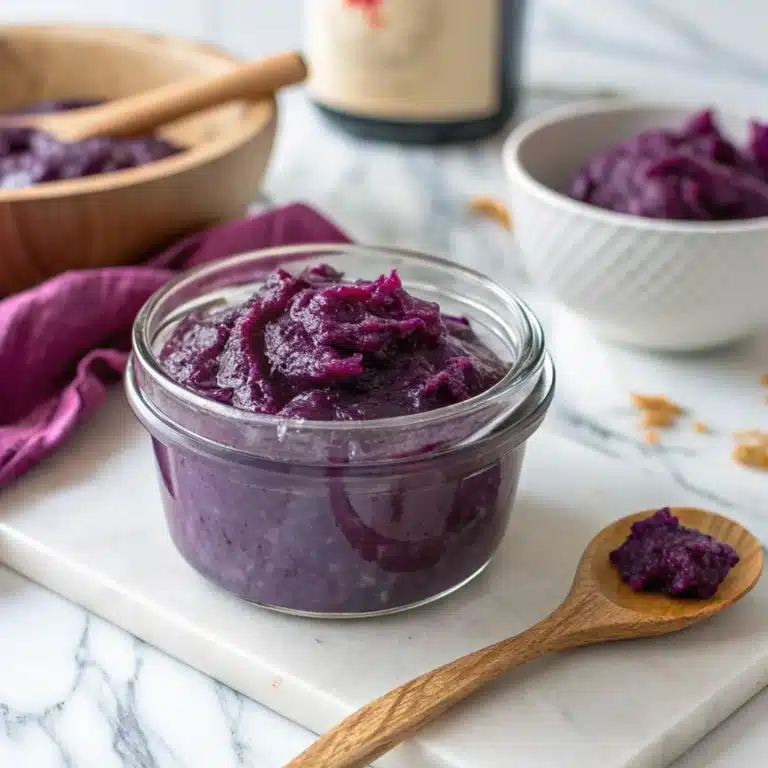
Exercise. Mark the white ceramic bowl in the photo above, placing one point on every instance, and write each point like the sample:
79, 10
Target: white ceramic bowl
664, 285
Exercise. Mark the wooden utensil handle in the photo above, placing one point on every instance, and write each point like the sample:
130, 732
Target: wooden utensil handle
387, 721
142, 113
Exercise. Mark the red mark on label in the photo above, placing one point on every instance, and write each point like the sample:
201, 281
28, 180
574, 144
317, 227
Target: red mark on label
370, 8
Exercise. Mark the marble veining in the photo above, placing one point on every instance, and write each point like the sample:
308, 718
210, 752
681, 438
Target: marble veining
77, 692
96, 535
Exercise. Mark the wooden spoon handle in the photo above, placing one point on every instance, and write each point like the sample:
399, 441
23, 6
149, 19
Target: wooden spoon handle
387, 721
145, 111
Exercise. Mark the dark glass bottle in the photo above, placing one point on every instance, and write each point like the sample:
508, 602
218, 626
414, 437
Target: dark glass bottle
421, 71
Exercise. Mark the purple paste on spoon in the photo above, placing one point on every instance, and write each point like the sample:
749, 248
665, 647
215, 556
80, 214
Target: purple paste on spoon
662, 555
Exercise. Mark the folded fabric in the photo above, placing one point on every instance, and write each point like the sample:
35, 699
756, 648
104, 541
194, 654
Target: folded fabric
63, 342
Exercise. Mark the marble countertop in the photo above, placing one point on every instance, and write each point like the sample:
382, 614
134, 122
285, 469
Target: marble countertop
77, 692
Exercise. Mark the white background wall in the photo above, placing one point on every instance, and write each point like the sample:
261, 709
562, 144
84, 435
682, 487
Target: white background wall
246, 26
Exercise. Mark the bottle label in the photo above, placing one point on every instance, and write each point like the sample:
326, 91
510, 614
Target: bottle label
405, 59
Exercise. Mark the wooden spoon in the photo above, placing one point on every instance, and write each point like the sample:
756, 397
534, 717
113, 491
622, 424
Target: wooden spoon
142, 112
599, 607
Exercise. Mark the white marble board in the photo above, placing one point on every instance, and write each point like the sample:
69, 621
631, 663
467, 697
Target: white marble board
88, 525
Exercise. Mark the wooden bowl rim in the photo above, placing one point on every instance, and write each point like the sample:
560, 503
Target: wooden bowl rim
256, 120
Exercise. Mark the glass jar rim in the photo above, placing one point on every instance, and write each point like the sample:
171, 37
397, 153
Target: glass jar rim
526, 367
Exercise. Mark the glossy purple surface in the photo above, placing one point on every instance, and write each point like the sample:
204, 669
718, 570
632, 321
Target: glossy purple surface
661, 555
691, 174
313, 346
29, 156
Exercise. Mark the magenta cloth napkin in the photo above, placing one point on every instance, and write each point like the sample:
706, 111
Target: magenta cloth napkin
64, 341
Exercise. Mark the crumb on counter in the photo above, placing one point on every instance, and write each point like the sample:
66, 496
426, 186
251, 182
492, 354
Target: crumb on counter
492, 208
751, 449
655, 403
657, 411
651, 437
751, 456
659, 418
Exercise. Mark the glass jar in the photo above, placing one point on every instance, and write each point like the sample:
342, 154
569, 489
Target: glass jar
425, 71
340, 519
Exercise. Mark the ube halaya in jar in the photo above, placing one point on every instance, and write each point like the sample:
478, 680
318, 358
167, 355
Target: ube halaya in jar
319, 418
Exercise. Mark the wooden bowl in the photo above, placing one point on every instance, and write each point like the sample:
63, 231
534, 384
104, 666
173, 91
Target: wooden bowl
119, 218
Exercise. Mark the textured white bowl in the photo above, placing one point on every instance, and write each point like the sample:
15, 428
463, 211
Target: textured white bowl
662, 285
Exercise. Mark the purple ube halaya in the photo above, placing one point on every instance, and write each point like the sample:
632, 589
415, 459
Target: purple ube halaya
29, 156
661, 555
691, 174
313, 346
321, 533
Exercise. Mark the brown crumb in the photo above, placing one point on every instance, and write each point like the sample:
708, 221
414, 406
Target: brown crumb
753, 456
651, 437
751, 449
493, 208
655, 403
764, 379
657, 411
659, 418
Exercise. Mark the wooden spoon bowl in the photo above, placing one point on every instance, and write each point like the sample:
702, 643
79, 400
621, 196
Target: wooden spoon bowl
599, 608
653, 606
118, 218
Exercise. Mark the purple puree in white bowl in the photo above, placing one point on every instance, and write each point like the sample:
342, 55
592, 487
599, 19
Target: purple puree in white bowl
316, 473
694, 173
